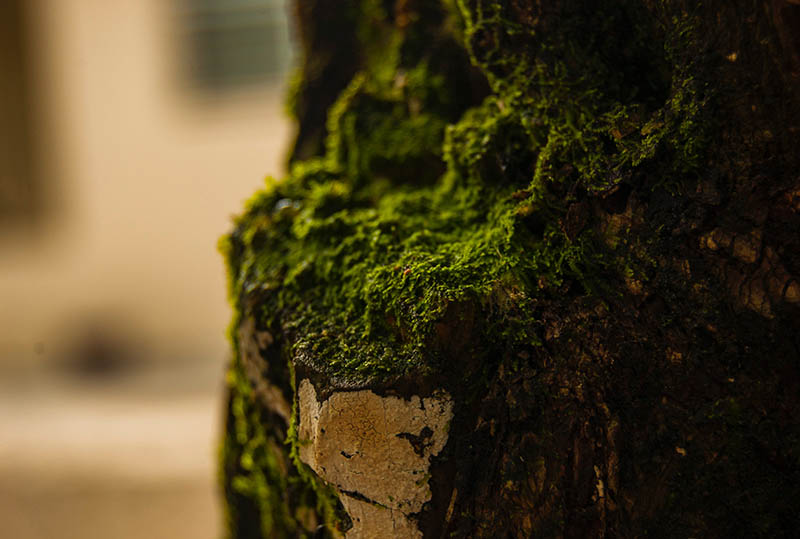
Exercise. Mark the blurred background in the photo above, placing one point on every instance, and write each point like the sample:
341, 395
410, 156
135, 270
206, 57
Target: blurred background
130, 132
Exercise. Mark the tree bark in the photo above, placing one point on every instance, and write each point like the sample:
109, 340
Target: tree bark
533, 273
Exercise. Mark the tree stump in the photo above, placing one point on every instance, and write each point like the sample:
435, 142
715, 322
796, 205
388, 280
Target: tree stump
533, 273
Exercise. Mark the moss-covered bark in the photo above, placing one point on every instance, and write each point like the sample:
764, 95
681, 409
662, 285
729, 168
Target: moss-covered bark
580, 220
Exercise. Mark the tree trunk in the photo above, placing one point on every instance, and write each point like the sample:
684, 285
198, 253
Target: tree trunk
533, 272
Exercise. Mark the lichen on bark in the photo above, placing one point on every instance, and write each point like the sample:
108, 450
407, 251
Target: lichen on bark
578, 219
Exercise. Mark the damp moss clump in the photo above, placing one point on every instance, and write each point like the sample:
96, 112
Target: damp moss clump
423, 200
270, 493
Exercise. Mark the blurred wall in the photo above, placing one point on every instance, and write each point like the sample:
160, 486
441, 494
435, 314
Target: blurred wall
142, 171
113, 305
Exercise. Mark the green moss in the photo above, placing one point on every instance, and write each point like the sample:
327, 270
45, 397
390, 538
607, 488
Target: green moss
265, 477
364, 249
269, 492
430, 196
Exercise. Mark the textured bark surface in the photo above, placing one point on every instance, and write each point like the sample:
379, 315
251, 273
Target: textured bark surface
534, 272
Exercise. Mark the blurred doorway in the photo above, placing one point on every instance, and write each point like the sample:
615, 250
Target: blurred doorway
19, 190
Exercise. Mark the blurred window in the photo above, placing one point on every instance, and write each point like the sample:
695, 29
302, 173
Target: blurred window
236, 42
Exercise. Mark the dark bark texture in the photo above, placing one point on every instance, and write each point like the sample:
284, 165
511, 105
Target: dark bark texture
580, 219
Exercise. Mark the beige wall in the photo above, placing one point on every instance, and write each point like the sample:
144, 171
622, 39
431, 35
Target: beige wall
143, 173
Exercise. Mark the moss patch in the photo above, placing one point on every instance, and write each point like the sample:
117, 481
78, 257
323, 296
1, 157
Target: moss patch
532, 183
420, 202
